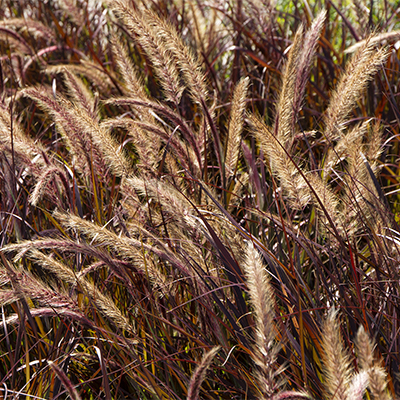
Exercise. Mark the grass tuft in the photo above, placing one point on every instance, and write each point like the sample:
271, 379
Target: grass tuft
199, 199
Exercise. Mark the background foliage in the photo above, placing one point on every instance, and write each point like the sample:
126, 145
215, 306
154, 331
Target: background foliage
137, 164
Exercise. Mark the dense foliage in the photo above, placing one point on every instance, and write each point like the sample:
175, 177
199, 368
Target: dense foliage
199, 199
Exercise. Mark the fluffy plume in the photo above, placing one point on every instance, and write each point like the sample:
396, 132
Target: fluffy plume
261, 295
200, 373
295, 77
285, 106
127, 248
341, 151
25, 147
376, 374
133, 84
375, 40
60, 110
109, 150
304, 64
64, 273
358, 385
302, 187
292, 182
152, 43
89, 70
48, 175
236, 125
187, 62
336, 360
77, 90
25, 285
167, 113
359, 71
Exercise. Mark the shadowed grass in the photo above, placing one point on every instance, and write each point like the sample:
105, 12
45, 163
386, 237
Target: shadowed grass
189, 191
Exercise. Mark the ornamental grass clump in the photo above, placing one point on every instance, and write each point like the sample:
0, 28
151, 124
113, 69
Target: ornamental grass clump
199, 200
341, 379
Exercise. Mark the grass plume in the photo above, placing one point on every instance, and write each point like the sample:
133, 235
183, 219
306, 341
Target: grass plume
261, 294
179, 179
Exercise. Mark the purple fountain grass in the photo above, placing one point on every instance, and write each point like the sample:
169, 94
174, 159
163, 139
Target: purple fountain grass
179, 179
198, 375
